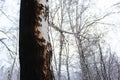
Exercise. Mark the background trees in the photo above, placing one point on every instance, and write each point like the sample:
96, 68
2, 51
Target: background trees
84, 27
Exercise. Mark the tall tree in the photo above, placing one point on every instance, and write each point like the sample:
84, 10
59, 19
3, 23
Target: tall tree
35, 50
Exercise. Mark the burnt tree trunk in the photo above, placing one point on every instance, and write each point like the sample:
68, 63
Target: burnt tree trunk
35, 50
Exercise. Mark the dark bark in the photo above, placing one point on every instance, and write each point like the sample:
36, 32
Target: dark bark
32, 64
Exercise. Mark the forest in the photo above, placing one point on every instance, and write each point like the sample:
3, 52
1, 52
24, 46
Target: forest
80, 39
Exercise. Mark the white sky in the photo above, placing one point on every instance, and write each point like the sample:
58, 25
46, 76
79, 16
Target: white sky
113, 37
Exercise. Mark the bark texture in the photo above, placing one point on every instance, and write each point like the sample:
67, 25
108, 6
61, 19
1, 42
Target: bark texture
35, 50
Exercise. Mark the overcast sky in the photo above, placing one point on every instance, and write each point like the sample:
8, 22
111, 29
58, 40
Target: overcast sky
113, 37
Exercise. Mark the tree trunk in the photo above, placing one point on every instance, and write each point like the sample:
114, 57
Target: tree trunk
35, 50
102, 64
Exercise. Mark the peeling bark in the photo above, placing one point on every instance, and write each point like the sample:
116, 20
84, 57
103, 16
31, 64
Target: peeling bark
34, 45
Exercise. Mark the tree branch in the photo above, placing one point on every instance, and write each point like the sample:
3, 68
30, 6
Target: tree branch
7, 16
63, 31
1, 40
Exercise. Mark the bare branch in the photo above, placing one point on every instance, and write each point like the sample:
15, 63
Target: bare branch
7, 35
1, 40
7, 16
63, 31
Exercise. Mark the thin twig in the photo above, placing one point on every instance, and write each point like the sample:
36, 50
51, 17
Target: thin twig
7, 16
1, 40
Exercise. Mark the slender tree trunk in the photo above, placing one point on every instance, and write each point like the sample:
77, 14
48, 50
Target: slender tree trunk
67, 60
97, 77
118, 66
34, 47
102, 63
67, 67
61, 41
60, 55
